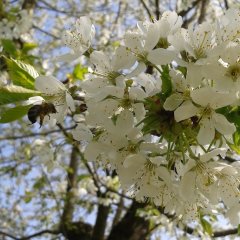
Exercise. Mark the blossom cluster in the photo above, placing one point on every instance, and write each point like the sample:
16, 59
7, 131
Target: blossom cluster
157, 111
14, 25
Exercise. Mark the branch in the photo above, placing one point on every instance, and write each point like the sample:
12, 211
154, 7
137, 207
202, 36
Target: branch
229, 159
53, 8
183, 13
72, 174
32, 235
101, 222
29, 4
147, 9
131, 226
203, 11
39, 233
224, 233
119, 211
35, 134
8, 235
45, 32
226, 4
157, 9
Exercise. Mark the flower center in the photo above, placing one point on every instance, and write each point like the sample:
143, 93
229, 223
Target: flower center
233, 72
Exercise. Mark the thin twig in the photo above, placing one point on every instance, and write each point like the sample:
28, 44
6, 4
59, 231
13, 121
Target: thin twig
183, 13
147, 9
157, 9
46, 231
203, 11
8, 235
226, 4
35, 134
53, 8
45, 32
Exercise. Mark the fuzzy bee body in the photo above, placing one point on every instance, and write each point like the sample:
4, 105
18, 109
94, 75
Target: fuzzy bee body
40, 111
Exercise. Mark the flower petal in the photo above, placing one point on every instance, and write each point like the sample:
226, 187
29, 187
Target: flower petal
161, 56
101, 61
49, 85
70, 102
206, 132
173, 102
222, 124
185, 111
209, 96
82, 132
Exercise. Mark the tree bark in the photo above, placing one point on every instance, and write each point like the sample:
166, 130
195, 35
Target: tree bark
131, 227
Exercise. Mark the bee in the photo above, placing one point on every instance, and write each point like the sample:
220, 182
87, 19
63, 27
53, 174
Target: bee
41, 111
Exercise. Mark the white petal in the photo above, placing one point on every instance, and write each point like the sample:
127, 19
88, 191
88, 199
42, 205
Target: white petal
207, 156
206, 132
187, 186
94, 85
151, 84
164, 174
234, 214
94, 149
101, 61
49, 85
109, 91
161, 56
68, 57
37, 100
135, 160
125, 121
86, 28
222, 125
123, 59
134, 42
70, 102
152, 37
194, 75
185, 111
82, 132
141, 67
173, 102
139, 111
136, 93
208, 96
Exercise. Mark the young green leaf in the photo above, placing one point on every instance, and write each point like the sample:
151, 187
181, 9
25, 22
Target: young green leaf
28, 46
12, 94
21, 74
166, 81
9, 47
207, 227
79, 72
13, 114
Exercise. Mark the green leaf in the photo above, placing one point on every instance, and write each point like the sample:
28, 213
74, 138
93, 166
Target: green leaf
207, 227
39, 183
79, 72
236, 142
28, 197
81, 177
166, 82
238, 230
28, 47
13, 94
9, 47
14, 113
22, 74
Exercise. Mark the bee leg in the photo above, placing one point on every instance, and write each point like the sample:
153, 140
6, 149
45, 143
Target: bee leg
41, 120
